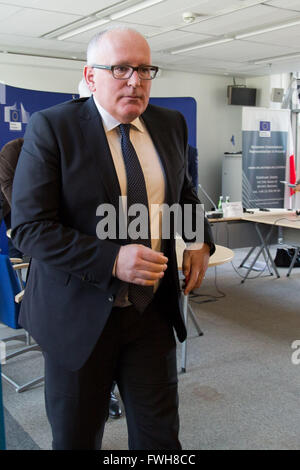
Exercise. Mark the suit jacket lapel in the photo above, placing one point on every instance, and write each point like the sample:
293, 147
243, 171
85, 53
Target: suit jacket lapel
96, 141
157, 135
164, 149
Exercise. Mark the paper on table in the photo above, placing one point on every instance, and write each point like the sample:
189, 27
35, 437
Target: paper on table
232, 209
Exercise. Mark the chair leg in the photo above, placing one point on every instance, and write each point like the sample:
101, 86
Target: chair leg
22, 388
184, 344
33, 347
19, 337
24, 336
195, 321
187, 310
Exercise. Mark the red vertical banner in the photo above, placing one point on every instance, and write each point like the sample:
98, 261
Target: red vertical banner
292, 173
290, 169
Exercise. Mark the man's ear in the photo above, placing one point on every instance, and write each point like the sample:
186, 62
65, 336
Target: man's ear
89, 75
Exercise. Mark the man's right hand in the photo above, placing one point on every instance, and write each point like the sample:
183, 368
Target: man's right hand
141, 265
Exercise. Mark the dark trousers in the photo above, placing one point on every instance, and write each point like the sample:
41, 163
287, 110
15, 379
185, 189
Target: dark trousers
139, 352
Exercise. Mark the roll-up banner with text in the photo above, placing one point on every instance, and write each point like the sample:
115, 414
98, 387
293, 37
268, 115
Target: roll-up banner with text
265, 135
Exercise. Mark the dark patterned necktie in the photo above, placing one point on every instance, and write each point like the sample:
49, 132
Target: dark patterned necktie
140, 296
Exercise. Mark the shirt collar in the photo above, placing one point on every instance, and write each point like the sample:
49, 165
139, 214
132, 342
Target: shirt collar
110, 123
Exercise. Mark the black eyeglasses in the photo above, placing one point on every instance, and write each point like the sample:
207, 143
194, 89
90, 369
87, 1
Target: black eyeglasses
124, 72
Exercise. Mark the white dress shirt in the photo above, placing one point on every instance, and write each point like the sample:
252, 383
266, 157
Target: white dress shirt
150, 164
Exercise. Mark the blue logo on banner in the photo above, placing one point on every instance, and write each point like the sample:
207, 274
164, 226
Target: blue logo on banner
265, 126
15, 115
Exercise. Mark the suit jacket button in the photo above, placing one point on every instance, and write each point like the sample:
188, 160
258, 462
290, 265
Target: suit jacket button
111, 298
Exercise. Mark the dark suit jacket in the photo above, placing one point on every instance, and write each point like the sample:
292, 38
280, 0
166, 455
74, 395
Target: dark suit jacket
64, 172
9, 156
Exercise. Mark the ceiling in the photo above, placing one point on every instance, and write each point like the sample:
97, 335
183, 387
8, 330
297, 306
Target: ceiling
32, 27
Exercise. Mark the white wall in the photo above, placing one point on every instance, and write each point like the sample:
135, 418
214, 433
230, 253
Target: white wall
38, 73
216, 121
264, 87
263, 93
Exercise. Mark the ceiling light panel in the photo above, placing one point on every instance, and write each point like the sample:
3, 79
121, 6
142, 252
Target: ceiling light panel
280, 37
204, 45
40, 22
25, 3
212, 68
83, 8
289, 4
82, 29
292, 65
107, 16
174, 39
141, 6
241, 19
229, 6
273, 59
240, 51
37, 43
7, 11
207, 61
166, 13
87, 35
19, 28
268, 29
170, 12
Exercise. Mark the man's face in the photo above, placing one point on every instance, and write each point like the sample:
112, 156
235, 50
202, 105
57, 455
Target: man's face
123, 99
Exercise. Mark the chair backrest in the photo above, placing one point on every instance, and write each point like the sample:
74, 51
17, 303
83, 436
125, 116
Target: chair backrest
9, 288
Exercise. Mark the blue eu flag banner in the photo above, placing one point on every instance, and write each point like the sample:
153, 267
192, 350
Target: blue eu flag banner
16, 107
18, 104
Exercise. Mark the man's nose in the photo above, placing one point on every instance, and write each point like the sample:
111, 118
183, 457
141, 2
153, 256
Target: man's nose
134, 80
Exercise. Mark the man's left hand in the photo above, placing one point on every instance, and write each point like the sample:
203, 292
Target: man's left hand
194, 266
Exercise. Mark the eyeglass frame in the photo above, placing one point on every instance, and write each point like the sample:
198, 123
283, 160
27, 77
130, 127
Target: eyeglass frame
133, 69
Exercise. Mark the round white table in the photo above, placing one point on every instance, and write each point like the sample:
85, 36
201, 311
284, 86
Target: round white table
222, 254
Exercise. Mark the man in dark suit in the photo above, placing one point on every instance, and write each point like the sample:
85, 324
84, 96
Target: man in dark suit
115, 410
104, 309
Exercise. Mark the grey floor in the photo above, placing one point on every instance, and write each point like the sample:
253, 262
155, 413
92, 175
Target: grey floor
240, 391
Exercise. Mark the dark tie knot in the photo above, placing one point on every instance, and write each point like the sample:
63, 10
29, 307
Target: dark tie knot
125, 129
